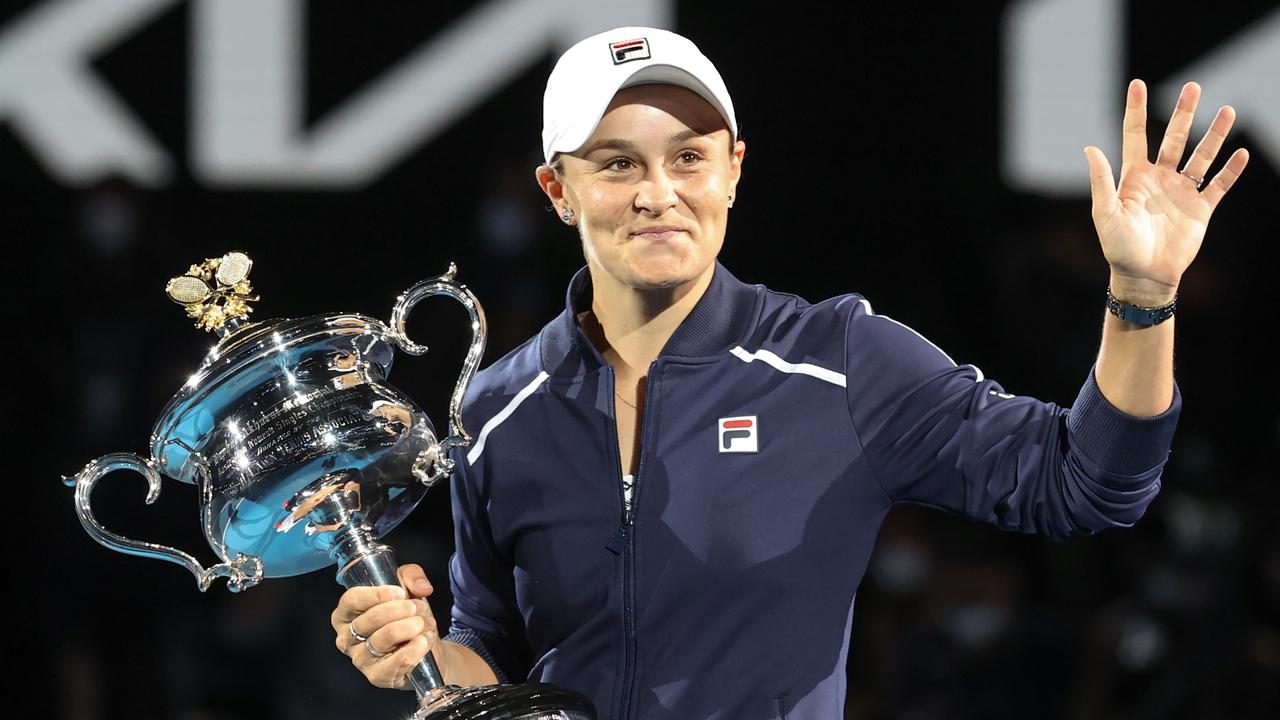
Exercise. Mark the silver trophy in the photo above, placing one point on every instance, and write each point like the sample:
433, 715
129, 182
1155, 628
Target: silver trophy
304, 456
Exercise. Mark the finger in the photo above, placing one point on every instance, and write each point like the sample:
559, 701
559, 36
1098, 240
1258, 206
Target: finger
379, 616
1102, 184
1211, 143
414, 579
1135, 125
358, 600
391, 670
402, 661
1225, 178
391, 636
370, 621
1175, 136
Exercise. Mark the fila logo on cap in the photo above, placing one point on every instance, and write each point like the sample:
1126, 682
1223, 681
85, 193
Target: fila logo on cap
629, 50
738, 434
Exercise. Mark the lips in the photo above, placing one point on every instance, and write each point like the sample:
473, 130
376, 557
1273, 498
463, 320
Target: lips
660, 232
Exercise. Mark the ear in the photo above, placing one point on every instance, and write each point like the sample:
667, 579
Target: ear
551, 186
735, 165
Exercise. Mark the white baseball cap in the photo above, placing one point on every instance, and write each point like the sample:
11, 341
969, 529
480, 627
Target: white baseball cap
589, 74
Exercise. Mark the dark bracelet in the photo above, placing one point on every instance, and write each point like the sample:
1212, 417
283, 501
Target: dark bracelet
1141, 315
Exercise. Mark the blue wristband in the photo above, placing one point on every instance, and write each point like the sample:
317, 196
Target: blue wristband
1141, 315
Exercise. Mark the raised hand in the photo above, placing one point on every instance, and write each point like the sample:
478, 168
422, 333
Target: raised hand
1152, 224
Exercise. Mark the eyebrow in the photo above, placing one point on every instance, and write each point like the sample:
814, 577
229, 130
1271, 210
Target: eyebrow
628, 146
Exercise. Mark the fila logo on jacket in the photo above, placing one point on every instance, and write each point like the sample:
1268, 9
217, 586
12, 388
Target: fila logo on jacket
738, 434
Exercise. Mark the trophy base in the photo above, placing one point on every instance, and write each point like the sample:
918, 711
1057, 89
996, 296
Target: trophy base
531, 701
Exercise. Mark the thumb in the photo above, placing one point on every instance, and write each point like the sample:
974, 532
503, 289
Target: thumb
1101, 182
414, 579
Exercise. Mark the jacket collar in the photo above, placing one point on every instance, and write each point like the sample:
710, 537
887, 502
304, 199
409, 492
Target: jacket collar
720, 318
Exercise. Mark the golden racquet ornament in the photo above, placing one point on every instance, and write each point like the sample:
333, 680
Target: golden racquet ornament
216, 291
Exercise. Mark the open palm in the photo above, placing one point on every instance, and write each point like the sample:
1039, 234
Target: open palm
1152, 224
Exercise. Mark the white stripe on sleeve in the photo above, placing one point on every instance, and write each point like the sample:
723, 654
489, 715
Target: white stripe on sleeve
867, 304
771, 359
474, 453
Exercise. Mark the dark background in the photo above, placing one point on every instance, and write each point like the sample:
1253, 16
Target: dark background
872, 167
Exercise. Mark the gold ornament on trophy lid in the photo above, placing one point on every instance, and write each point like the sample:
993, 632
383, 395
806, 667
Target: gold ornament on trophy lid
215, 292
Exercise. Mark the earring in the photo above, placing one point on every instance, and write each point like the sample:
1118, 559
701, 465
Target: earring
567, 215
730, 201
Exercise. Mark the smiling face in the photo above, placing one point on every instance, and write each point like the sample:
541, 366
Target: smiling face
650, 189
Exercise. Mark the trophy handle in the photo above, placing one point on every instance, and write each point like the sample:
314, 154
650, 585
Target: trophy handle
242, 573
445, 285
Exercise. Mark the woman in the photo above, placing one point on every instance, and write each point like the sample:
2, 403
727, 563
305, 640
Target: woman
677, 483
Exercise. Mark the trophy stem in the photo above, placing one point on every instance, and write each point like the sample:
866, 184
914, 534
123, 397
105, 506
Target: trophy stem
363, 561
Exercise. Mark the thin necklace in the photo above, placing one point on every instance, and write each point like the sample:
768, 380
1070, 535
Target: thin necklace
582, 319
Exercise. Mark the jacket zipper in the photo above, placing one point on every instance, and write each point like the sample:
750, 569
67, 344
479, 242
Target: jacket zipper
625, 537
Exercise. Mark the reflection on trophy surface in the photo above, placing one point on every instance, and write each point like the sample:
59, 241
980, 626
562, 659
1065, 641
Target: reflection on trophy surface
304, 456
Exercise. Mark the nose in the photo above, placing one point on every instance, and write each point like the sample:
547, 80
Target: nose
656, 192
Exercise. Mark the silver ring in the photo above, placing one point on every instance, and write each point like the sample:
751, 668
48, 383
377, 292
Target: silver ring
355, 635
369, 646
1198, 180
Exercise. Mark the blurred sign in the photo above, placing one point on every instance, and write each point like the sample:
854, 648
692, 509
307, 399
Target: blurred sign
1063, 66
247, 87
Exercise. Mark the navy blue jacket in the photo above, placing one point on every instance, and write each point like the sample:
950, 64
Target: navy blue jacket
776, 436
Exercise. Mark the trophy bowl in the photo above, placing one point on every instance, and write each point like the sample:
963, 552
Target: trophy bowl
282, 414
303, 456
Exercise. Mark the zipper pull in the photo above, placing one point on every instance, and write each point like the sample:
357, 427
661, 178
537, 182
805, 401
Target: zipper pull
617, 542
